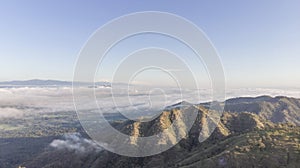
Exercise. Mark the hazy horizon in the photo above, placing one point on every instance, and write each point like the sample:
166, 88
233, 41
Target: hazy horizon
97, 81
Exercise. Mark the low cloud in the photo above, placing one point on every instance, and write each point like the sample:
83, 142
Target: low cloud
8, 112
75, 142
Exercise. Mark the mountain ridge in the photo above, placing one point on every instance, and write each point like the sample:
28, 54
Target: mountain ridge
241, 139
276, 109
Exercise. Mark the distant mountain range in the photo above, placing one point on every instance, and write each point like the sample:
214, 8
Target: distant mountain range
39, 82
36, 82
253, 132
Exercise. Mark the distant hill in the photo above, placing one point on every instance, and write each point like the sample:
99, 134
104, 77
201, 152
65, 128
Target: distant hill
277, 109
249, 135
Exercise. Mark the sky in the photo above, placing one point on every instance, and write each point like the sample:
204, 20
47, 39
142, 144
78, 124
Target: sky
257, 41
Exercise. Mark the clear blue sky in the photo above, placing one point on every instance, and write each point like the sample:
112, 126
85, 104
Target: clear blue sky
258, 41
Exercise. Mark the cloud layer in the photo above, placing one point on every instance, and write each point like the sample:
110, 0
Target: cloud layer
17, 102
